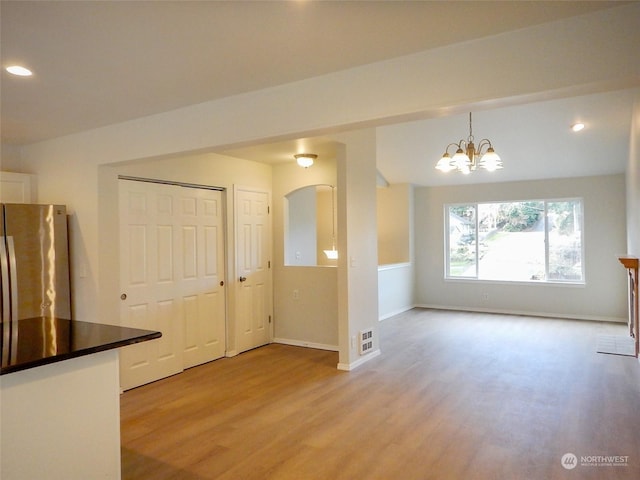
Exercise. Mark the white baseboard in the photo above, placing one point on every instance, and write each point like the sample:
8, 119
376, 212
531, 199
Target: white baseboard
353, 365
300, 343
396, 312
595, 318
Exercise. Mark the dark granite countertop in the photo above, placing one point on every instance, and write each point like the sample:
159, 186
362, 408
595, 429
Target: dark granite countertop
33, 342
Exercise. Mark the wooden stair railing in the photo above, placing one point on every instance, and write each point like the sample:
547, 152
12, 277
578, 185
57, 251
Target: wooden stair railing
631, 264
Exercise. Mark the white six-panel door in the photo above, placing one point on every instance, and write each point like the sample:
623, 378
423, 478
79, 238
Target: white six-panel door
172, 278
203, 276
252, 269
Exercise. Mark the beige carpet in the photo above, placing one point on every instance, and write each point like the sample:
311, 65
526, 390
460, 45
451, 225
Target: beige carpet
616, 345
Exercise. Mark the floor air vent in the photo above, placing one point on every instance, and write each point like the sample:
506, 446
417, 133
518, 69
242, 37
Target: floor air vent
366, 341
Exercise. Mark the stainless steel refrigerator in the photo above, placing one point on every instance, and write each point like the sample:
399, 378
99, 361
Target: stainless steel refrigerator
34, 259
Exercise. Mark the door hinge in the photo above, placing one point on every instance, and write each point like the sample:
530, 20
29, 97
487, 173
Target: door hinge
269, 318
268, 209
269, 264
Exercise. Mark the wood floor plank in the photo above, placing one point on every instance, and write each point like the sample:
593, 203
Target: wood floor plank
454, 395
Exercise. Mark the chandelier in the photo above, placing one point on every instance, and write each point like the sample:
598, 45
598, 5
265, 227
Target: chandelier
467, 158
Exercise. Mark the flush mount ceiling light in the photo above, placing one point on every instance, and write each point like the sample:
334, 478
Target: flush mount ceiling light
305, 160
19, 71
576, 127
467, 158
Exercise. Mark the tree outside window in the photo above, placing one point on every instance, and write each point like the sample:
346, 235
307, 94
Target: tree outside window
536, 240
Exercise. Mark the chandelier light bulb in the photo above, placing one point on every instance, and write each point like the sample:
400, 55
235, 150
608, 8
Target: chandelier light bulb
444, 164
491, 161
461, 160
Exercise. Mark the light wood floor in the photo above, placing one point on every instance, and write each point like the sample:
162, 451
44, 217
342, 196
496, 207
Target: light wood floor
453, 396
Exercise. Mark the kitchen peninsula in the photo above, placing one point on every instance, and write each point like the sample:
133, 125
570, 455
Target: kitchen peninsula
60, 398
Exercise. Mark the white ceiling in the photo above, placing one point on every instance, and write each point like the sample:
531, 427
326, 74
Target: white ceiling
534, 140
99, 63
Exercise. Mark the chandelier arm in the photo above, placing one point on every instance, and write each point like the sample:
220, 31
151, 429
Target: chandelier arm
483, 143
452, 144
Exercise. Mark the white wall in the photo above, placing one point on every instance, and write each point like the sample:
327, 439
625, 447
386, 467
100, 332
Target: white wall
204, 169
10, 157
394, 216
396, 289
603, 296
305, 298
396, 277
357, 245
300, 234
554, 60
326, 224
633, 184
306, 307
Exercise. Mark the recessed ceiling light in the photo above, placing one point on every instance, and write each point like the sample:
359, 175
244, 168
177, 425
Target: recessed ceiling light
576, 127
19, 70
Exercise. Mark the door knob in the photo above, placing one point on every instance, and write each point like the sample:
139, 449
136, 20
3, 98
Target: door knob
243, 279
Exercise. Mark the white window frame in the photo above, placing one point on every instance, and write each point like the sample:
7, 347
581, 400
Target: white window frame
545, 281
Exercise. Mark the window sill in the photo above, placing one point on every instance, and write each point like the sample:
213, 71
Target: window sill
545, 283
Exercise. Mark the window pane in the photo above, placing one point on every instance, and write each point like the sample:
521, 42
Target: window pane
462, 241
507, 241
565, 240
511, 241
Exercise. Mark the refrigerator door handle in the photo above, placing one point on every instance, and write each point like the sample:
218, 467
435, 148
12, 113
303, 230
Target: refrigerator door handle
9, 301
5, 310
6, 286
13, 278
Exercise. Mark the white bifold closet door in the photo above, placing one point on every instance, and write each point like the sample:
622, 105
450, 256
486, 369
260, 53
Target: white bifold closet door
172, 274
